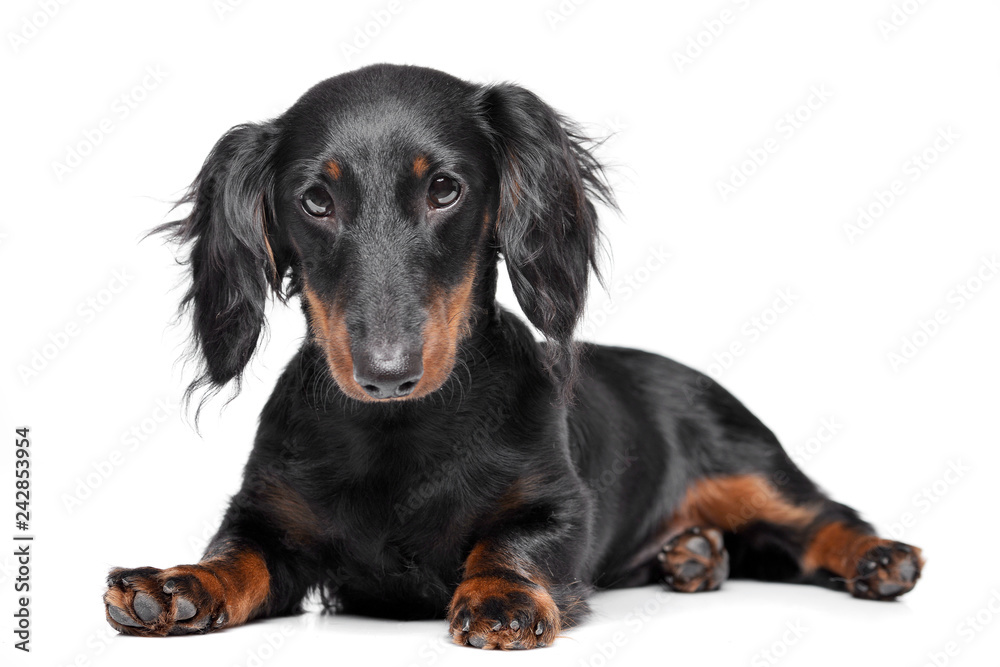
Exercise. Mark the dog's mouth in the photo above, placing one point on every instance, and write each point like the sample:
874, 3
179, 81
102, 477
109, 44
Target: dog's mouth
393, 370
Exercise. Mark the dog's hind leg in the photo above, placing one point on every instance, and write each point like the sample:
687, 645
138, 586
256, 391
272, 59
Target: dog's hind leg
770, 533
849, 553
694, 554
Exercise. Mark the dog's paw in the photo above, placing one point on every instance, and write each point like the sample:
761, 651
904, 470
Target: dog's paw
150, 602
886, 571
497, 612
695, 560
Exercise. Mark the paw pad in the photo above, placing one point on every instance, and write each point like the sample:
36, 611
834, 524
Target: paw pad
886, 571
151, 602
492, 612
695, 560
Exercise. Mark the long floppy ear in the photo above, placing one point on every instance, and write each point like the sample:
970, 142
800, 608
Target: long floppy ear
235, 256
546, 224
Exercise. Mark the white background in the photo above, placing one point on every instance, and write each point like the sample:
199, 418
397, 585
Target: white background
893, 431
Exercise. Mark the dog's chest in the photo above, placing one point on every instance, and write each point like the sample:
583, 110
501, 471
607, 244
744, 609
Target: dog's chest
400, 550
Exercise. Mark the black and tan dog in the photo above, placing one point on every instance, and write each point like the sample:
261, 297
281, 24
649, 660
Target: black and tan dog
422, 455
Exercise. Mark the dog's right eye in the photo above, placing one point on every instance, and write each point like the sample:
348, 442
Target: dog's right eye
317, 202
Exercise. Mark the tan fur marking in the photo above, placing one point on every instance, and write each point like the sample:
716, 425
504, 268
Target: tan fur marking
330, 331
485, 581
420, 166
245, 582
333, 168
736, 501
448, 322
838, 548
729, 503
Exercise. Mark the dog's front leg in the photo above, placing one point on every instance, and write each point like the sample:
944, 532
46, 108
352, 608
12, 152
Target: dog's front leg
519, 588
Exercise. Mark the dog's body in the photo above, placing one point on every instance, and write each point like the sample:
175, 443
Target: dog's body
423, 455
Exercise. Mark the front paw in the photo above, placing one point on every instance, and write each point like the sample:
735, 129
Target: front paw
149, 602
497, 611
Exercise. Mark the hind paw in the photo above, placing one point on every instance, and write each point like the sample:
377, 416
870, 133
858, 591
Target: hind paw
886, 571
695, 560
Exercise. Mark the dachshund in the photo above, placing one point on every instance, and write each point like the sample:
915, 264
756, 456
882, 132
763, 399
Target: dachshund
425, 454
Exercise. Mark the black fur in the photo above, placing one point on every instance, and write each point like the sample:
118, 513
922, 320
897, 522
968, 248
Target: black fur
378, 503
232, 267
547, 225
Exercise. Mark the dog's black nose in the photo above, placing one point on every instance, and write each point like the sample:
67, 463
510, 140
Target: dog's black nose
389, 371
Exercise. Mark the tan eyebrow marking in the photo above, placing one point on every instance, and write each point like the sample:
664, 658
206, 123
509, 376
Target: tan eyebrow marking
333, 169
420, 166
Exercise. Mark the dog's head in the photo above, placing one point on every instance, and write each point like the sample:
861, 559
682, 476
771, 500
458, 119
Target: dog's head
385, 195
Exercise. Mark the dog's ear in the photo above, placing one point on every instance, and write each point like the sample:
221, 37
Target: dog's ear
546, 223
235, 254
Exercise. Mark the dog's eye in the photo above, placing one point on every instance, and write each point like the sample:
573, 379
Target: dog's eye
317, 202
443, 191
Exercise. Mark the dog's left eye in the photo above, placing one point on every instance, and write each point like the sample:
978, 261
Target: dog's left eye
443, 191
317, 202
